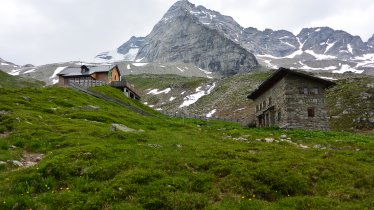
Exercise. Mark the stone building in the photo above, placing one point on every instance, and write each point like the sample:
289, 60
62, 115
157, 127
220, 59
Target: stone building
291, 99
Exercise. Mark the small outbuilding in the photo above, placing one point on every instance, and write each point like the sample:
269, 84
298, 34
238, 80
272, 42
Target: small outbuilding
293, 100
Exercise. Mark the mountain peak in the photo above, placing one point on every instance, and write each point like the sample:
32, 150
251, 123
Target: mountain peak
177, 9
181, 5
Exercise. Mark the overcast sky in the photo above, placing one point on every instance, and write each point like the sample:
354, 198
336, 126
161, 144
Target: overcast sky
48, 31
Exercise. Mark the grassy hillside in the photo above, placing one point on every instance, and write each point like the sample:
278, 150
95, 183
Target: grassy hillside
168, 163
351, 104
228, 97
9, 81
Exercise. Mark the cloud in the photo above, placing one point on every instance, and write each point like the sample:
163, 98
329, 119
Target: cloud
44, 31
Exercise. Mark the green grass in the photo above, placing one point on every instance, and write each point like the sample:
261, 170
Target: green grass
9, 81
173, 164
351, 102
146, 81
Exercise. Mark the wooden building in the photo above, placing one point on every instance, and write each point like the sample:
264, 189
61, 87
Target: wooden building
291, 99
88, 76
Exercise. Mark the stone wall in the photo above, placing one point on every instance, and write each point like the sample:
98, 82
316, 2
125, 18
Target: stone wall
276, 93
297, 104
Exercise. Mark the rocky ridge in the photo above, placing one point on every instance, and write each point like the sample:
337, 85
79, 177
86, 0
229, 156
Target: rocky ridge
318, 48
181, 37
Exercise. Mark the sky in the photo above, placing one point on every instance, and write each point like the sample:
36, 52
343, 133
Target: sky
51, 31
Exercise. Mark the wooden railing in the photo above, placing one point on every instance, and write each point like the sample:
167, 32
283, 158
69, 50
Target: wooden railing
89, 83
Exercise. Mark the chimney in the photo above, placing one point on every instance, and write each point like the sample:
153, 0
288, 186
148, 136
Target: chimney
84, 69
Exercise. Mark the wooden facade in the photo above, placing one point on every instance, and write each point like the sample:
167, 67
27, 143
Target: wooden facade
96, 76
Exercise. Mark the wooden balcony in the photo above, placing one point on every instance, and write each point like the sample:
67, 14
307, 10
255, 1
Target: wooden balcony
127, 88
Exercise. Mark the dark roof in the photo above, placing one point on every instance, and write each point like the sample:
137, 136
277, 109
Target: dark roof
278, 75
76, 71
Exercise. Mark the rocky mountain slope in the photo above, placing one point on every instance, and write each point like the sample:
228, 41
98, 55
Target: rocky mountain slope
350, 102
7, 66
125, 52
181, 37
319, 48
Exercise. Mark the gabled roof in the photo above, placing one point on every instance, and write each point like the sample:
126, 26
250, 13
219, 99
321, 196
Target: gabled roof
278, 75
76, 71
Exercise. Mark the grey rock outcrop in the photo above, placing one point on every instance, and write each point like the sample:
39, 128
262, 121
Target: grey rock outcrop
125, 52
370, 43
269, 42
7, 66
181, 37
133, 43
324, 40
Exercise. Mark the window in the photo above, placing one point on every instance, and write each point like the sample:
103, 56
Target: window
279, 116
311, 112
264, 104
303, 90
306, 91
314, 91
270, 102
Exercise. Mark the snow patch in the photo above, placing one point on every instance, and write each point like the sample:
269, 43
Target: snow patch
156, 92
29, 71
346, 68
329, 45
320, 56
128, 66
298, 52
270, 65
286, 43
268, 56
207, 73
191, 99
183, 92
15, 72
138, 60
182, 70
240, 109
58, 70
350, 48
113, 54
139, 64
328, 78
131, 55
211, 113
306, 67
171, 98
